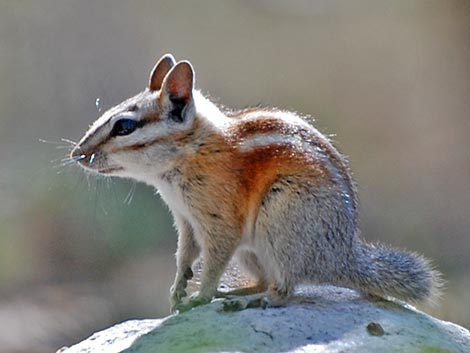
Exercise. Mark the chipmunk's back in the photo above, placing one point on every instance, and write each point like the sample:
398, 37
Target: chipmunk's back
273, 144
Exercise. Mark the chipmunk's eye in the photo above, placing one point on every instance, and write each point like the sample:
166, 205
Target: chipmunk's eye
124, 127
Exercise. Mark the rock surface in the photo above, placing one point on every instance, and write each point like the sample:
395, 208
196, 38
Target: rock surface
324, 319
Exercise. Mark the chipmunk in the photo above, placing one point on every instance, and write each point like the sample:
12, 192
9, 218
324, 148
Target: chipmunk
261, 185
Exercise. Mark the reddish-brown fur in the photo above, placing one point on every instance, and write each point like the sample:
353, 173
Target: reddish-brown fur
248, 174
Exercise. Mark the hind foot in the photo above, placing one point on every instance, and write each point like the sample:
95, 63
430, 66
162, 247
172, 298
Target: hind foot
269, 298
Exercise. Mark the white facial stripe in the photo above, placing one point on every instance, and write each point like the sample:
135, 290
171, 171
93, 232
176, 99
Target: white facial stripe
99, 131
96, 134
149, 134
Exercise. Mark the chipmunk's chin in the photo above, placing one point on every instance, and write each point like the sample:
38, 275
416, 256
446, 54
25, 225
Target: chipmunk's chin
110, 170
107, 171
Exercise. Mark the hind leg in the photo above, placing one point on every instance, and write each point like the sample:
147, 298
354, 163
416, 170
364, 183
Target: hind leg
273, 291
249, 262
281, 245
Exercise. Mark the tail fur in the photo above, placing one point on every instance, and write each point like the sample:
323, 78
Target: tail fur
404, 275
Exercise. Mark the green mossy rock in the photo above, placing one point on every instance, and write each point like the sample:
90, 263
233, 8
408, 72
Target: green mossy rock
326, 319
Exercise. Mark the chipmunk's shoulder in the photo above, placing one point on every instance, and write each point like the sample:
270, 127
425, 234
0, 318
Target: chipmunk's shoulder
271, 123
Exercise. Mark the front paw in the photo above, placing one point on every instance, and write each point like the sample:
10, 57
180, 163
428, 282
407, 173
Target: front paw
177, 293
178, 289
194, 301
176, 296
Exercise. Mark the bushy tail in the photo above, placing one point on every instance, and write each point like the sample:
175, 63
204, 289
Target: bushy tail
384, 271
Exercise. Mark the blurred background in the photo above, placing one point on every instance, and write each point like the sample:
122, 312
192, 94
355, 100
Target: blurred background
391, 80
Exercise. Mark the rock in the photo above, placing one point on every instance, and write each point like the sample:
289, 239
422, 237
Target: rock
320, 319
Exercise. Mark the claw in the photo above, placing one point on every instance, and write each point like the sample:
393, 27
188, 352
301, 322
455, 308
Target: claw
192, 303
177, 290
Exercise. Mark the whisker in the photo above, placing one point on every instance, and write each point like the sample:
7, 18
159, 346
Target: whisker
81, 177
57, 161
112, 188
98, 195
64, 163
108, 183
80, 157
64, 168
104, 209
63, 143
65, 146
63, 160
88, 181
95, 194
130, 194
51, 142
70, 142
102, 204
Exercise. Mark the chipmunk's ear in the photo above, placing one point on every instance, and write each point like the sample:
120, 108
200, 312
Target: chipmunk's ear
177, 90
178, 84
159, 71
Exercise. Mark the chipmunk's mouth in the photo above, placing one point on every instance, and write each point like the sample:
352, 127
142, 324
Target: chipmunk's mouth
94, 162
109, 170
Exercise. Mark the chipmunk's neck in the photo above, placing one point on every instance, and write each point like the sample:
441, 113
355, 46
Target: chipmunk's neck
208, 113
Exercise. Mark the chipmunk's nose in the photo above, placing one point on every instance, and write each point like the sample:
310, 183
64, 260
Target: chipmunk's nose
77, 154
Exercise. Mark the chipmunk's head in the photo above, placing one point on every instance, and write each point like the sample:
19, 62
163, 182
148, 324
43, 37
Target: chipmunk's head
140, 136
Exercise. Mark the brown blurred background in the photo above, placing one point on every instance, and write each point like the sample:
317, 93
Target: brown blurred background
391, 79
